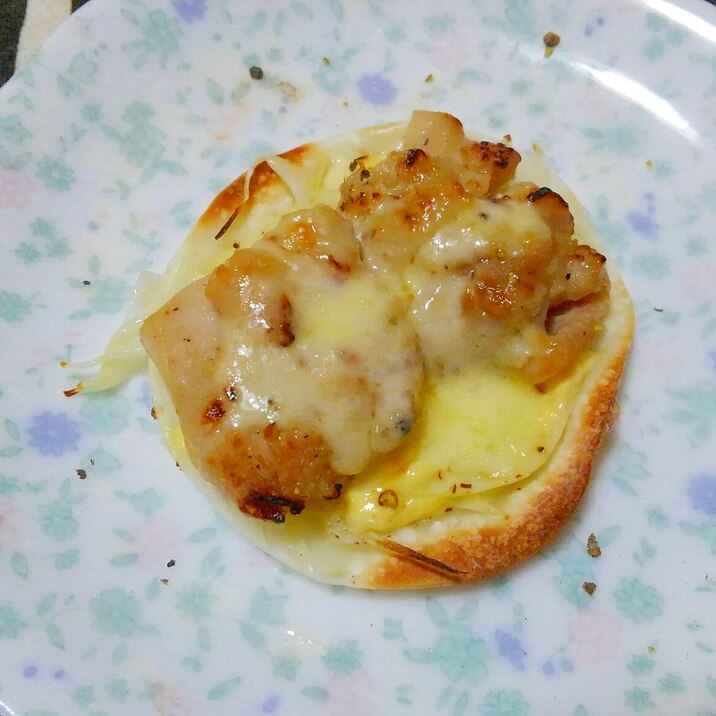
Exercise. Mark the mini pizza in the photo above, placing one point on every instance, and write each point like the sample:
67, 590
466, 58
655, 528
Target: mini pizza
389, 358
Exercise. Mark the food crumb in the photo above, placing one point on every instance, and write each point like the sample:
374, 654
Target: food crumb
507, 139
430, 77
649, 164
326, 61
164, 581
551, 40
593, 548
256, 73
171, 563
650, 649
82, 474
73, 391
589, 587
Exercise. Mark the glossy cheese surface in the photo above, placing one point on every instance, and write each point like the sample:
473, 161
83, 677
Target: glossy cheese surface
479, 430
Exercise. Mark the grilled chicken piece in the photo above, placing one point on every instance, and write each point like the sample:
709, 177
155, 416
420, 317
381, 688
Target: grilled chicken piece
492, 265
291, 366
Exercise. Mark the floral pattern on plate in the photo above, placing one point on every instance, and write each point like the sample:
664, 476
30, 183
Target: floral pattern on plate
120, 590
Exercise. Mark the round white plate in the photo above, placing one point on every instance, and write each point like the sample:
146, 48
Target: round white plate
113, 141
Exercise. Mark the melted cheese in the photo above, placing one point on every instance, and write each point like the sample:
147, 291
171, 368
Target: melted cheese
349, 375
479, 431
476, 232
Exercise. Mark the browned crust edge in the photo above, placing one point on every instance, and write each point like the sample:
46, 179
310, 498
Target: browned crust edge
505, 542
232, 199
467, 555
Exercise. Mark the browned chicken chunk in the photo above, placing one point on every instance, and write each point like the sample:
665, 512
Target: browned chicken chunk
470, 242
290, 366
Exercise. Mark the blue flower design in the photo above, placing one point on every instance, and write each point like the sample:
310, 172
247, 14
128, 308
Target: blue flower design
643, 223
511, 648
53, 433
190, 10
565, 665
376, 89
702, 493
589, 29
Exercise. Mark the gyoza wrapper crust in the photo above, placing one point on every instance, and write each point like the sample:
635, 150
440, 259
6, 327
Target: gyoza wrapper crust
454, 547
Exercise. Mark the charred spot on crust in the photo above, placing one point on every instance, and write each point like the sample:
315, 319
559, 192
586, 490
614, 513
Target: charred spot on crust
271, 507
226, 226
214, 412
419, 559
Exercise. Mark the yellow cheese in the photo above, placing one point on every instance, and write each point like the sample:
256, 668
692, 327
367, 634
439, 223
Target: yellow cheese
478, 431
